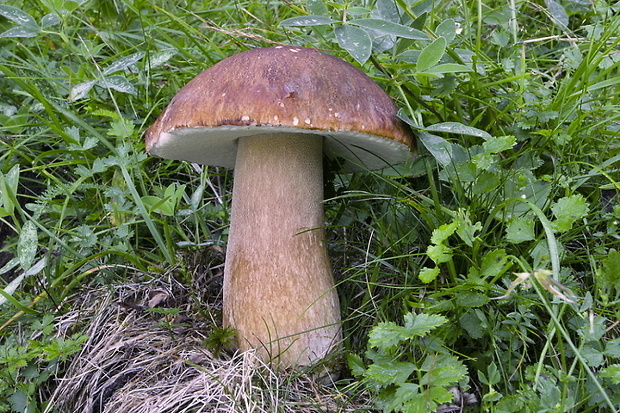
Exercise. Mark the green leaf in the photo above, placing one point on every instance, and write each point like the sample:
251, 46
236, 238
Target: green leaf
317, 7
118, 83
471, 299
19, 32
311, 20
447, 30
593, 357
428, 275
442, 150
121, 128
567, 210
439, 253
448, 68
123, 63
8, 190
494, 263
19, 401
612, 348
355, 364
498, 144
431, 54
354, 40
81, 90
20, 17
557, 13
442, 233
419, 325
49, 20
457, 129
472, 324
386, 335
612, 373
520, 229
27, 245
465, 229
391, 28
610, 268
390, 372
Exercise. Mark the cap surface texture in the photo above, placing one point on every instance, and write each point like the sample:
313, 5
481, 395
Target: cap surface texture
281, 89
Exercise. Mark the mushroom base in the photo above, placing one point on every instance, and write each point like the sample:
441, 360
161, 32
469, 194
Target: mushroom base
279, 290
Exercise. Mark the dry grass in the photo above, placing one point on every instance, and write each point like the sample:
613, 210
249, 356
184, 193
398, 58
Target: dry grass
139, 361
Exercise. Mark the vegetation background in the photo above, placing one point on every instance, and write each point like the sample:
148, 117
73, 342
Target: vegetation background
489, 264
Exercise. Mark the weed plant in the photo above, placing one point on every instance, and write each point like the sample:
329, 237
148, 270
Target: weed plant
485, 272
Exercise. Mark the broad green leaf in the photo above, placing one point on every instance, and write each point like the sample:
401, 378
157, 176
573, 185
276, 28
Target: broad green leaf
431, 54
441, 149
567, 210
557, 13
494, 263
118, 83
81, 90
385, 335
612, 348
121, 128
386, 10
355, 41
484, 161
355, 364
520, 229
392, 28
457, 129
471, 323
419, 325
19, 32
447, 30
390, 372
418, 403
123, 63
593, 357
317, 7
439, 253
8, 190
437, 395
465, 229
448, 68
27, 244
19, 401
471, 299
607, 275
312, 20
404, 395
498, 144
50, 20
443, 376
18, 16
612, 373
160, 58
442, 233
428, 275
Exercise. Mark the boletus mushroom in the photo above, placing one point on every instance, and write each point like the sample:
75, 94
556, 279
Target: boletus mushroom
272, 114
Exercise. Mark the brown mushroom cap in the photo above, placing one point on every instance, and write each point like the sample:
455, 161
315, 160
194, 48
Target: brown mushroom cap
281, 89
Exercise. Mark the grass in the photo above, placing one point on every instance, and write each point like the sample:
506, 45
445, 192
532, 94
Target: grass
489, 264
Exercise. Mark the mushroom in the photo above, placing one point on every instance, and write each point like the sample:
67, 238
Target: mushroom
272, 113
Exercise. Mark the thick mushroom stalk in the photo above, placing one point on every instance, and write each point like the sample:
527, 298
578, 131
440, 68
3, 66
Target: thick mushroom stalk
278, 286
269, 112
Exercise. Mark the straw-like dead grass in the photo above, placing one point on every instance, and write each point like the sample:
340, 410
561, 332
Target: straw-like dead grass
137, 361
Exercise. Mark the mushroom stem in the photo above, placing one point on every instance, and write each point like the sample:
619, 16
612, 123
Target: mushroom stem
279, 290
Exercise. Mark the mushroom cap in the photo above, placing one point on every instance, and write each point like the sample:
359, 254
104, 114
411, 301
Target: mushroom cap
282, 89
